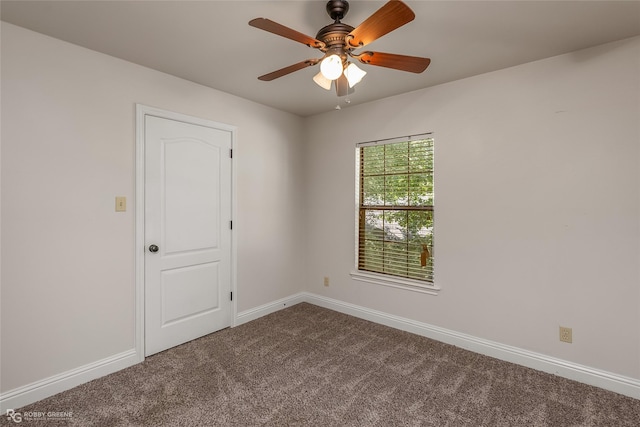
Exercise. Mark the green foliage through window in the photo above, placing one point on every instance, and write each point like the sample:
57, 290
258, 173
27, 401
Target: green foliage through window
396, 209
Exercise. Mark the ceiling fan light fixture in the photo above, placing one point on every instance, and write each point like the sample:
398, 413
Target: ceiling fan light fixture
331, 67
354, 74
338, 40
322, 81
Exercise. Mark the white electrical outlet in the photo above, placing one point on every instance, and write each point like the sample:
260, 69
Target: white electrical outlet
326, 281
566, 334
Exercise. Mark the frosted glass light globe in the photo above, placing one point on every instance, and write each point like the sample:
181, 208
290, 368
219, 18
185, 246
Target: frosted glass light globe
331, 67
354, 74
322, 81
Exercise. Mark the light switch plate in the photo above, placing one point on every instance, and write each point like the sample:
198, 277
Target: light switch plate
121, 204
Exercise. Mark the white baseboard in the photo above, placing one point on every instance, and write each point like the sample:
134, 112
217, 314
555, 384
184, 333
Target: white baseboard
42, 389
627, 386
573, 371
272, 307
47, 387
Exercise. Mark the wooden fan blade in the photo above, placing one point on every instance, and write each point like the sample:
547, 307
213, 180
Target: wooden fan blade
287, 70
281, 30
414, 64
342, 86
392, 15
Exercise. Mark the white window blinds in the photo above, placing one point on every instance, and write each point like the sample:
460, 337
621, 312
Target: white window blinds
396, 207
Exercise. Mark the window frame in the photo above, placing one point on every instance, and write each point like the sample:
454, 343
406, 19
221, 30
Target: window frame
379, 278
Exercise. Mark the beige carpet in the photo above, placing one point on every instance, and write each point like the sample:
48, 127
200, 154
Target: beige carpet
306, 365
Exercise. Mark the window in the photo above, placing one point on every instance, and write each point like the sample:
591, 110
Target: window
395, 210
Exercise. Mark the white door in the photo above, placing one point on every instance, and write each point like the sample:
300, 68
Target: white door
187, 231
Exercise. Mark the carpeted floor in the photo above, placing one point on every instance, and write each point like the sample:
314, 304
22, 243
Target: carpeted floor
308, 366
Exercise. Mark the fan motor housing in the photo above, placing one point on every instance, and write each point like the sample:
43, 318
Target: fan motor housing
334, 34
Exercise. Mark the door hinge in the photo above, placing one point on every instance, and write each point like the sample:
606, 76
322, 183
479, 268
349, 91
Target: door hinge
231, 296
231, 152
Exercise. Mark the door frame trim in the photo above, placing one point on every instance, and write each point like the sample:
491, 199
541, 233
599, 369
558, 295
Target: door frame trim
141, 112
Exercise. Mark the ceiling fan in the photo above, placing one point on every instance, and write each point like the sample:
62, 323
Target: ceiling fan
338, 42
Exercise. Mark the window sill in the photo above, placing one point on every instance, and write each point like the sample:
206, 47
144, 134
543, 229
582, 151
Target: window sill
394, 282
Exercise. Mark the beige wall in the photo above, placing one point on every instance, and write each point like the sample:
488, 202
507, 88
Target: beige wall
68, 148
537, 205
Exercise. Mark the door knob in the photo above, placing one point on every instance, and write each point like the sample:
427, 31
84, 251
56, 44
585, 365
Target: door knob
153, 248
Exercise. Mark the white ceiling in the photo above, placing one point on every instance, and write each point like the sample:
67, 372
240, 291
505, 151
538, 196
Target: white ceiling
210, 42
